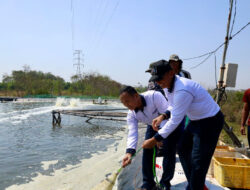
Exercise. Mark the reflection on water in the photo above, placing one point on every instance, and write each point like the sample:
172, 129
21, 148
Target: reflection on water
27, 138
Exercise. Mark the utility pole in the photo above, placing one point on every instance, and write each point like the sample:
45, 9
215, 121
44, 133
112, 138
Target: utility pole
78, 63
220, 86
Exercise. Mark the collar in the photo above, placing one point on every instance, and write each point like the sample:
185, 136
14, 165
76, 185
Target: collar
180, 74
143, 103
170, 90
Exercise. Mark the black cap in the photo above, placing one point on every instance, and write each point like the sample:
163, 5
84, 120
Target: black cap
159, 68
150, 67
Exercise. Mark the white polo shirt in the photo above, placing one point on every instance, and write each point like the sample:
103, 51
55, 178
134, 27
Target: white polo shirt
187, 98
154, 104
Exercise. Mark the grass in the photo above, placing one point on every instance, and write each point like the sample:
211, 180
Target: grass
236, 129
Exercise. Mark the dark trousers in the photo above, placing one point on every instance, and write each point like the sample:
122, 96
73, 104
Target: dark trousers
169, 152
248, 135
196, 148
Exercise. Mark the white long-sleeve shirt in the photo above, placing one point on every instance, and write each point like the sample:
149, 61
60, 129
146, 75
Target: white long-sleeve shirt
187, 98
154, 104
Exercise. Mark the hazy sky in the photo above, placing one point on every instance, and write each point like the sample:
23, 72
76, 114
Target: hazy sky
120, 38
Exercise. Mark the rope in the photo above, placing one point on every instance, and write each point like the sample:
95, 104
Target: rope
186, 122
154, 172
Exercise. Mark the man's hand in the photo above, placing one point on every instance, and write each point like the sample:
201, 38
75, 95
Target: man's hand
150, 143
126, 160
157, 121
159, 144
242, 130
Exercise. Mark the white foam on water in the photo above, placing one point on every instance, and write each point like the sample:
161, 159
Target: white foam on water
33, 100
24, 114
74, 102
16, 117
47, 164
10, 112
83, 176
85, 104
60, 102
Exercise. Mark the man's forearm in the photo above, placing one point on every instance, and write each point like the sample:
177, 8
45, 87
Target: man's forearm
245, 113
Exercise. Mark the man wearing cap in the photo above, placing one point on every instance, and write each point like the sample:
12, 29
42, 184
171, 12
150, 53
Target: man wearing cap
171, 147
176, 64
144, 108
153, 85
206, 121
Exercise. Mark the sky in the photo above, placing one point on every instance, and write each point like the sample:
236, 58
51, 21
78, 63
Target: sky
120, 38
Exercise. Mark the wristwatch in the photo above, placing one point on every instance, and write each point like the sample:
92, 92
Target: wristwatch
165, 116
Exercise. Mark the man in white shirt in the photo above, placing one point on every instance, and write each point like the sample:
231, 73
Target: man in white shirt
144, 108
206, 121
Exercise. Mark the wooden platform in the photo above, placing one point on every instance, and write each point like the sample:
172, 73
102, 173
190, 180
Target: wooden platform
108, 114
8, 99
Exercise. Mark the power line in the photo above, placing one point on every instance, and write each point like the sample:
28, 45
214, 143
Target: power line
203, 61
97, 23
230, 36
214, 51
72, 24
239, 31
107, 23
202, 55
101, 34
196, 57
215, 69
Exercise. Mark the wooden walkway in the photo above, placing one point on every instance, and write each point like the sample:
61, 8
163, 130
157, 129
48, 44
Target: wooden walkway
108, 114
8, 99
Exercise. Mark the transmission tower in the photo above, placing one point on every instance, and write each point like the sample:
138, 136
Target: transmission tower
78, 59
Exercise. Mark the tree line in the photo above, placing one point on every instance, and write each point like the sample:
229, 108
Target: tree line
28, 82
231, 106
